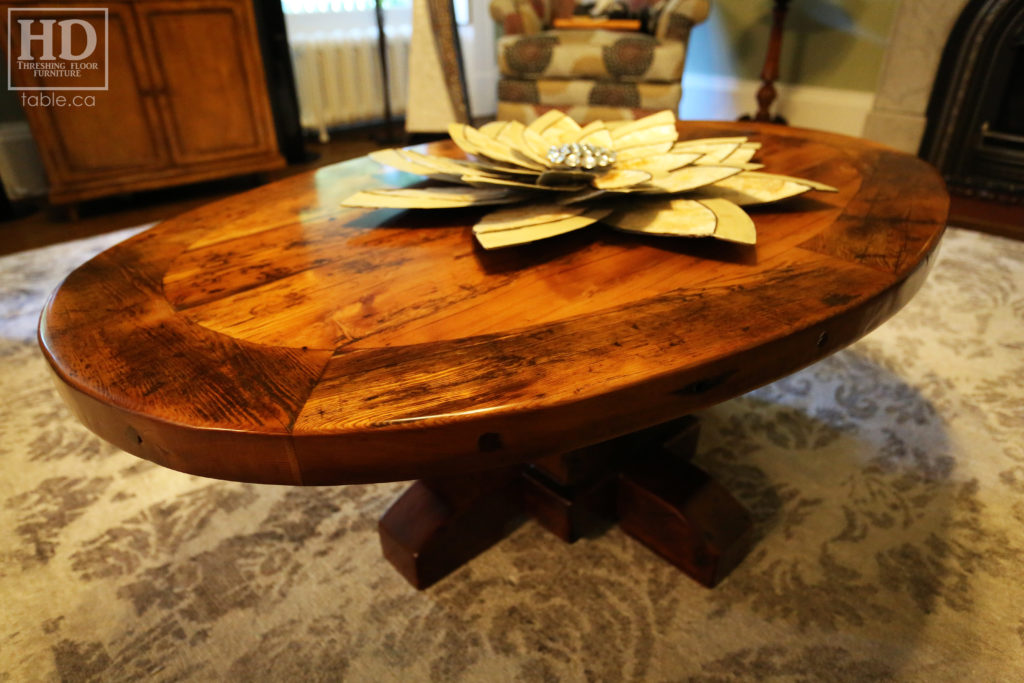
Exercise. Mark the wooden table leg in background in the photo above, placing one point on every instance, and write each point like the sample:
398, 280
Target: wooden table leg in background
643, 481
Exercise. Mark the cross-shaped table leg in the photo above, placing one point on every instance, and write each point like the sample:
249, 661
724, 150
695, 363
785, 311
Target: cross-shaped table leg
643, 481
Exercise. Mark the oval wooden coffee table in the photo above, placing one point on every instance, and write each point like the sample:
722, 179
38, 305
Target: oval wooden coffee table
277, 337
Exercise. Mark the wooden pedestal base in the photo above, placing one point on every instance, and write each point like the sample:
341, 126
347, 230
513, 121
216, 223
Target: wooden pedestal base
643, 481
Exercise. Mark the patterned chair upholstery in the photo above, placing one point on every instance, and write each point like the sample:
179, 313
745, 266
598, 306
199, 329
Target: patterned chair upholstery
591, 74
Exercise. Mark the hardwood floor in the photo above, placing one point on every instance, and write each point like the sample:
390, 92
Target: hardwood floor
45, 224
995, 218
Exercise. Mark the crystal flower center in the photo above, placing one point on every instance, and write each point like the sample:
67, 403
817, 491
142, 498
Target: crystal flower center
581, 155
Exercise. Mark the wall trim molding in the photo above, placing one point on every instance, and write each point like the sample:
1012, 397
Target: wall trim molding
712, 97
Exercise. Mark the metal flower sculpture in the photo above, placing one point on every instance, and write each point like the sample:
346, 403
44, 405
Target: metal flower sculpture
632, 175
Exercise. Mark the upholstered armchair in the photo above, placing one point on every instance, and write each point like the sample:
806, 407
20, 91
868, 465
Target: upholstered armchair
591, 73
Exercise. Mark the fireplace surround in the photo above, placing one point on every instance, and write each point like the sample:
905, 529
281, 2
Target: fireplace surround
900, 113
975, 129
919, 33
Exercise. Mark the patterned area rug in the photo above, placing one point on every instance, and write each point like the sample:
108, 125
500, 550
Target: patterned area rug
887, 485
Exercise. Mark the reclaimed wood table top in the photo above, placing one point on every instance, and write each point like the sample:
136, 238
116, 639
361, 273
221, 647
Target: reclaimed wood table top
278, 337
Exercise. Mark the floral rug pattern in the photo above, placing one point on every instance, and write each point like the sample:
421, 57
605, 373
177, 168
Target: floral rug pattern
886, 483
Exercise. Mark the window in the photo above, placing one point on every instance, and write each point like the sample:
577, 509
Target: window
332, 6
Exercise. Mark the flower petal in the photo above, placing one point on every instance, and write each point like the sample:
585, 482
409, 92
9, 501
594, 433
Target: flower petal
442, 167
689, 178
555, 127
526, 216
534, 146
641, 152
654, 134
745, 189
478, 179
590, 128
623, 129
484, 180
505, 132
733, 224
492, 129
431, 198
457, 132
618, 180
597, 136
511, 133
474, 142
395, 159
684, 145
713, 154
680, 217
813, 184
659, 164
496, 168
584, 195
531, 232
743, 154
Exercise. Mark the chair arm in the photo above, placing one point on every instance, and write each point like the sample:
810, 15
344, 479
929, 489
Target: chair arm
677, 17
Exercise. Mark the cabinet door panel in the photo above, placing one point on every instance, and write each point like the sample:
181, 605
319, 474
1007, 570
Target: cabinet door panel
209, 77
101, 133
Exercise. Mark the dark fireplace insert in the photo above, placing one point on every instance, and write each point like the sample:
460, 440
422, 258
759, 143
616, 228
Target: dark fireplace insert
975, 133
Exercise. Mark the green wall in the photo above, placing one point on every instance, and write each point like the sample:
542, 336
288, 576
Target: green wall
828, 43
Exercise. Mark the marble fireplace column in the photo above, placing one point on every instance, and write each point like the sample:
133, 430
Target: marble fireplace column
916, 41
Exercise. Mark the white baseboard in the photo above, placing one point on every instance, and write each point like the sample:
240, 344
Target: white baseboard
723, 98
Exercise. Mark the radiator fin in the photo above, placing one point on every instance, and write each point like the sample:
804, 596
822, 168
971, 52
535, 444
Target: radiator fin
338, 78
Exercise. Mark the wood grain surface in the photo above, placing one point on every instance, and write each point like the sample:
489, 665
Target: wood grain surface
277, 337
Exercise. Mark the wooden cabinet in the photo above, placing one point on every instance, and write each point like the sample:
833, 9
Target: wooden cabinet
185, 101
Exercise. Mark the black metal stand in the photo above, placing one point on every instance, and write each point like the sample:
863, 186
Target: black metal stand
388, 137
277, 66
